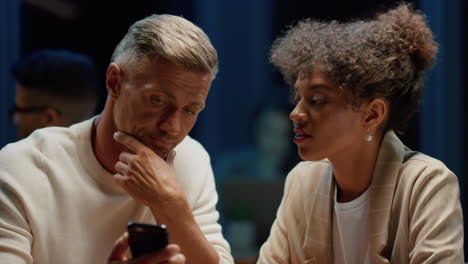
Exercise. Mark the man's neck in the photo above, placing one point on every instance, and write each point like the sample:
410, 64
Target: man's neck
105, 148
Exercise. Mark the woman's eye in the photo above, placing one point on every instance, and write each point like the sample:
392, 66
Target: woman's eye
157, 101
317, 101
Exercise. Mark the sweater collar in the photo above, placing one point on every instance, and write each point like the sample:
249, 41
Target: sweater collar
102, 177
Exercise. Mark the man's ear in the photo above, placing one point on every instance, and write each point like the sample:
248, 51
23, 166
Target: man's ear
113, 79
54, 118
375, 114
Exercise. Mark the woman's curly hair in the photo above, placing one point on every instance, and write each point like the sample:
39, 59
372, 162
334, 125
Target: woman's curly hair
381, 58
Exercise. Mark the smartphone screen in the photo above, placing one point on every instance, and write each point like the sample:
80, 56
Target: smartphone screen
146, 238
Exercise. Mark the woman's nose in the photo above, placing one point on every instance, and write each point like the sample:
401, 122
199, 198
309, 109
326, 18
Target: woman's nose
297, 115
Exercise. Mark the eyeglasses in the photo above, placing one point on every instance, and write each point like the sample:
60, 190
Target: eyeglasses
18, 109
23, 110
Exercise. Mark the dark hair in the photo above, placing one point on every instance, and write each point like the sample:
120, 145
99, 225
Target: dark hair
381, 58
61, 73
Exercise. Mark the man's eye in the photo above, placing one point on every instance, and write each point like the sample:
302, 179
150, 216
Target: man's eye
190, 111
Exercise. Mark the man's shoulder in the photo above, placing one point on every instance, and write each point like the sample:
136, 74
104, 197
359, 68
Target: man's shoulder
38, 140
191, 148
193, 169
43, 144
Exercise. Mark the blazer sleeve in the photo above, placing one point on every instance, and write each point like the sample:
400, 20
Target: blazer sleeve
436, 219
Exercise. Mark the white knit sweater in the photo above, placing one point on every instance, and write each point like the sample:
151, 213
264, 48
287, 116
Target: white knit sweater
59, 205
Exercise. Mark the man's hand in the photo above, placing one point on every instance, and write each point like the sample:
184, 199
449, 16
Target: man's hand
152, 181
170, 254
145, 176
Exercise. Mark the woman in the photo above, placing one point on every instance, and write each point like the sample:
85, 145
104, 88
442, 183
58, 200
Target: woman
361, 196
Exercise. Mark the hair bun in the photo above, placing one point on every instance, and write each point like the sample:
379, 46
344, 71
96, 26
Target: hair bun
413, 36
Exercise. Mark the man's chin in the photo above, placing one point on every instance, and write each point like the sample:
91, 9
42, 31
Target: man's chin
162, 153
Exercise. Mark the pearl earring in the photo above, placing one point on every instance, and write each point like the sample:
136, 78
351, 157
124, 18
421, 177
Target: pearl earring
368, 138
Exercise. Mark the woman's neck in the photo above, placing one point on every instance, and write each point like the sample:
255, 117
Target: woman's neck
353, 170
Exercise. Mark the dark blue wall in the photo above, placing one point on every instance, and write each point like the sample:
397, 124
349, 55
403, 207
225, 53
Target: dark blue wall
9, 50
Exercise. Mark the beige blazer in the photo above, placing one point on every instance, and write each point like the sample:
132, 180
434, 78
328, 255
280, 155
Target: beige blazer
415, 214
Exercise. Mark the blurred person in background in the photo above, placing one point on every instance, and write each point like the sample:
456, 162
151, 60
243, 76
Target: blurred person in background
267, 159
54, 88
361, 196
257, 170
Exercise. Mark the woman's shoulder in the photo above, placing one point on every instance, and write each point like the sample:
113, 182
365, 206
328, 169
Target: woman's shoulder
416, 163
309, 175
308, 167
419, 169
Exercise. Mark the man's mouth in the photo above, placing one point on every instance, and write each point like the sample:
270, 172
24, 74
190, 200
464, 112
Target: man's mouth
161, 142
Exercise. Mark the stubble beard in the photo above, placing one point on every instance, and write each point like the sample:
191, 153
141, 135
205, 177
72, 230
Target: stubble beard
162, 153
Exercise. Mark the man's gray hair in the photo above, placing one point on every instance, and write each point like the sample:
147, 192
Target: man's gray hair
170, 37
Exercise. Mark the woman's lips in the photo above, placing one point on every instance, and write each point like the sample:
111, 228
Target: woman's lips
300, 136
298, 139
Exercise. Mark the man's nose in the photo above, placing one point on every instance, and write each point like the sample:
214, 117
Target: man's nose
171, 123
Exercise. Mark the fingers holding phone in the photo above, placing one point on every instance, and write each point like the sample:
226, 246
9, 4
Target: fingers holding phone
145, 238
170, 254
148, 244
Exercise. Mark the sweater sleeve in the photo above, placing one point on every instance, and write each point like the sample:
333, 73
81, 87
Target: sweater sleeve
436, 222
206, 215
15, 233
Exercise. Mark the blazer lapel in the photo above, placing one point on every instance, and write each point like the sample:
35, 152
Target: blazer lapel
317, 246
386, 173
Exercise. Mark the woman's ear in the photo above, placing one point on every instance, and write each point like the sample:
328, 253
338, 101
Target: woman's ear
375, 114
113, 79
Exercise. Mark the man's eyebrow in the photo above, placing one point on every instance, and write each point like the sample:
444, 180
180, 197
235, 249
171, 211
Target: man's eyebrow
165, 92
196, 104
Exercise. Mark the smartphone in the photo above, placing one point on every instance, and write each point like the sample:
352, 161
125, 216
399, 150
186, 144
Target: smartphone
146, 238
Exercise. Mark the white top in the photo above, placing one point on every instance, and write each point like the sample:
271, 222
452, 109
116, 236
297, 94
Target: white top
350, 235
59, 205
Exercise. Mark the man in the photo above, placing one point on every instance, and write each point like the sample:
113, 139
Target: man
55, 88
77, 188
